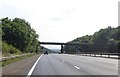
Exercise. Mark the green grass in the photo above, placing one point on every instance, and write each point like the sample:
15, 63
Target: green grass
0, 64
8, 49
3, 63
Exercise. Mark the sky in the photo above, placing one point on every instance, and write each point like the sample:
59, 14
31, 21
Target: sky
63, 20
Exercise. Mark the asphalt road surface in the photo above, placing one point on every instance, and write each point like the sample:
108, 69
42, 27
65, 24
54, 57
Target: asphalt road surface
20, 67
64, 64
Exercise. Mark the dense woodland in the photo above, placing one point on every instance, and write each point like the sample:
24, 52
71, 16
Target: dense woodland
18, 37
105, 40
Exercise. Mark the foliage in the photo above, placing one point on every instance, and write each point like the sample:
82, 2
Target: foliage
19, 34
106, 40
9, 49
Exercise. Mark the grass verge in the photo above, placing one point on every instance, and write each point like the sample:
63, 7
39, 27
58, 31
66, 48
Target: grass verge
3, 63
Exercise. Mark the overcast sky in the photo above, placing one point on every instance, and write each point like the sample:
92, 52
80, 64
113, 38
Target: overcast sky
63, 20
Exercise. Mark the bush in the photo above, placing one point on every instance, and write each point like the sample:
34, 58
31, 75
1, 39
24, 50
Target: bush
9, 49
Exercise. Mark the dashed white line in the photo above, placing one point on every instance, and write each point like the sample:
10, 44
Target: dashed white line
77, 67
33, 67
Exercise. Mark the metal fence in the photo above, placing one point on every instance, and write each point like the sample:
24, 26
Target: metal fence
98, 54
12, 57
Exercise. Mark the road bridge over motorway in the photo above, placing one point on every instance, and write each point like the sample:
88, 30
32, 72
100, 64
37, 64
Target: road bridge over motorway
58, 43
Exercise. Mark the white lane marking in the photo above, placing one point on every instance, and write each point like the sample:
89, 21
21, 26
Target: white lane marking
33, 67
77, 67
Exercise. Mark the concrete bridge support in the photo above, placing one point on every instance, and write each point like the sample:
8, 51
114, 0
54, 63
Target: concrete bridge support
61, 48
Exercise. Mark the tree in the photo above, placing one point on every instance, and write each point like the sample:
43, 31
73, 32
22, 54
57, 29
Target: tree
19, 33
105, 40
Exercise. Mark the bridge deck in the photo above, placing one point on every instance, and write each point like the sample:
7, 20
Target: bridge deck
56, 43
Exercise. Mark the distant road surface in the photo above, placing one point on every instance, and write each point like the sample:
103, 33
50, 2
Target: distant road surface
64, 64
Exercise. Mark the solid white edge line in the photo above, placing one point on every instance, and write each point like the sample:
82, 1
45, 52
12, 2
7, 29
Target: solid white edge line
77, 67
33, 67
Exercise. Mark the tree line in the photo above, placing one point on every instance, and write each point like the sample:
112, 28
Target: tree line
105, 40
18, 34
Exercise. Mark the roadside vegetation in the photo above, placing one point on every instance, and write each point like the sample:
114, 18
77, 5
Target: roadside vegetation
6, 62
8, 49
18, 37
105, 40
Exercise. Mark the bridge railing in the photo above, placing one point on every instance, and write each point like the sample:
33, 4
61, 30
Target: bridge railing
98, 54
